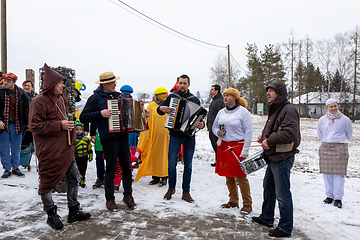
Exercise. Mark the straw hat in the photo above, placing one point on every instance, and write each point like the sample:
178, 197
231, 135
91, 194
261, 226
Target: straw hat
107, 77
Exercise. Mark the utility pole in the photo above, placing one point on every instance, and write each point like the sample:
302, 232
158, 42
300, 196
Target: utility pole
3, 37
228, 47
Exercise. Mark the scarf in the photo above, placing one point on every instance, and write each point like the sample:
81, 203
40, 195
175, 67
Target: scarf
79, 136
7, 110
332, 117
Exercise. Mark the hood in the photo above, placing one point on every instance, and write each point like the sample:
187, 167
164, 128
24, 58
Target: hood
281, 98
51, 78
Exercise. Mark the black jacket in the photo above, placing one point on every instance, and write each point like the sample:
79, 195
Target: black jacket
188, 96
23, 107
216, 105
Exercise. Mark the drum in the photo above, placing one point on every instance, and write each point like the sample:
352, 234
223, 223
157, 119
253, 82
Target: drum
253, 163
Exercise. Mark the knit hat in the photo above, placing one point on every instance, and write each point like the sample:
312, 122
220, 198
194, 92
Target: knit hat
236, 94
78, 123
10, 76
51, 78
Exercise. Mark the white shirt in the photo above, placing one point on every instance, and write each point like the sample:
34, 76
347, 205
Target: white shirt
340, 131
237, 123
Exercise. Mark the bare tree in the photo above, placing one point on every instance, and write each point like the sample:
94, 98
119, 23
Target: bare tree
343, 62
143, 96
325, 51
220, 74
355, 38
290, 57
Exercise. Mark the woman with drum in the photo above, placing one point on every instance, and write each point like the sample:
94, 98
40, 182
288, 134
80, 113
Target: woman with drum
233, 126
334, 131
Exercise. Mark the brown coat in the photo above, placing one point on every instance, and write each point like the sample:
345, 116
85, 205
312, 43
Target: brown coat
52, 147
286, 132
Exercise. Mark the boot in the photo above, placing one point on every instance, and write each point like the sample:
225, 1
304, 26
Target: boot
53, 219
76, 215
129, 201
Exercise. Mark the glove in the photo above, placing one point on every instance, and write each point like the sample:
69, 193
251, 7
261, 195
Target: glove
90, 157
244, 153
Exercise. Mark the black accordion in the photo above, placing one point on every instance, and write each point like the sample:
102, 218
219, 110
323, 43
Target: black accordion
183, 116
128, 115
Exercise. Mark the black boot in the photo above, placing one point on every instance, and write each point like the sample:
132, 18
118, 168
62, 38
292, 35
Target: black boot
54, 219
76, 215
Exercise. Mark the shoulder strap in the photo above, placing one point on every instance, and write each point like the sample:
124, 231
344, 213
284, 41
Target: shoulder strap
277, 115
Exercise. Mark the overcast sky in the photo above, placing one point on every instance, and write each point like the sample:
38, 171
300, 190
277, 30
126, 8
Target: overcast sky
95, 36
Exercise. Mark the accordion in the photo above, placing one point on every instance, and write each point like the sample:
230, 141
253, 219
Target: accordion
128, 115
183, 116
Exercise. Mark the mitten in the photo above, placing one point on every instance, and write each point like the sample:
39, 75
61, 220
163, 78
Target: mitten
90, 157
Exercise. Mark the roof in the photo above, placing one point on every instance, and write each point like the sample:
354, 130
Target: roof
321, 97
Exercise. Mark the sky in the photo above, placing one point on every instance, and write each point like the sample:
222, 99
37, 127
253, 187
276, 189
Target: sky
22, 216
95, 36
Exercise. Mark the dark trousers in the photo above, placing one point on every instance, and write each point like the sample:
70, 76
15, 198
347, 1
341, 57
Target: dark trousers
72, 188
213, 140
82, 165
114, 149
100, 165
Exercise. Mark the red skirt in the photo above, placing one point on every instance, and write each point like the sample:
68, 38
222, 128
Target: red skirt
226, 163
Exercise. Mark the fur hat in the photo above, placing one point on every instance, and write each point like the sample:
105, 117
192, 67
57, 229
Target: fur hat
236, 94
107, 77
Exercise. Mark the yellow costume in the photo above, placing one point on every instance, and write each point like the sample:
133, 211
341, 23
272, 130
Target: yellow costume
154, 146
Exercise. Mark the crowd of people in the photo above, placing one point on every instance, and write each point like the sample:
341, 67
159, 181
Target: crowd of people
230, 128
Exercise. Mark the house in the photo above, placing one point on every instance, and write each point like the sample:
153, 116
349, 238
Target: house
316, 102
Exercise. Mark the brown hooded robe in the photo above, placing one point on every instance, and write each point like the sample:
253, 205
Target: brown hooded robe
52, 147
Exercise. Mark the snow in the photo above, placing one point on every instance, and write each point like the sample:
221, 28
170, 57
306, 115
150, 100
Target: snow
22, 217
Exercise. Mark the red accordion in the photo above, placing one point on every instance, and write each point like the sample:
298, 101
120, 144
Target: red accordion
128, 115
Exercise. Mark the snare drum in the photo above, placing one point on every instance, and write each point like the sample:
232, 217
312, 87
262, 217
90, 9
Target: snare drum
253, 163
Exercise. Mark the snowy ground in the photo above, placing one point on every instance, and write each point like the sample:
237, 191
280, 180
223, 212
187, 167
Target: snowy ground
21, 215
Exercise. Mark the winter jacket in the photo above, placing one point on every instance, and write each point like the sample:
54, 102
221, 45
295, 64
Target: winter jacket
92, 113
188, 96
216, 105
285, 137
23, 107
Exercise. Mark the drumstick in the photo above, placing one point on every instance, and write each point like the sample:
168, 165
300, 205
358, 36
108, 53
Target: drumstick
246, 141
254, 146
69, 138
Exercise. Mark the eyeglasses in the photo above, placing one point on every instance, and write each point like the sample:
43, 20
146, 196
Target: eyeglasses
8, 80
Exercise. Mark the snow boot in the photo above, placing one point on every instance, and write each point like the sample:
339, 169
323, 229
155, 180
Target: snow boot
76, 215
54, 219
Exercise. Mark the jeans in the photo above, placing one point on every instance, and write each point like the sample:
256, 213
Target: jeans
72, 188
188, 149
114, 149
277, 187
9, 140
100, 165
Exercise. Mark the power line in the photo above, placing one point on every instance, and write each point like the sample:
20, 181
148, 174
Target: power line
171, 29
237, 62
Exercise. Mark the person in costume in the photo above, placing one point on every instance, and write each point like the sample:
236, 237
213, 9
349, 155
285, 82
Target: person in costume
233, 126
154, 143
79, 106
49, 123
83, 151
14, 111
335, 132
126, 91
